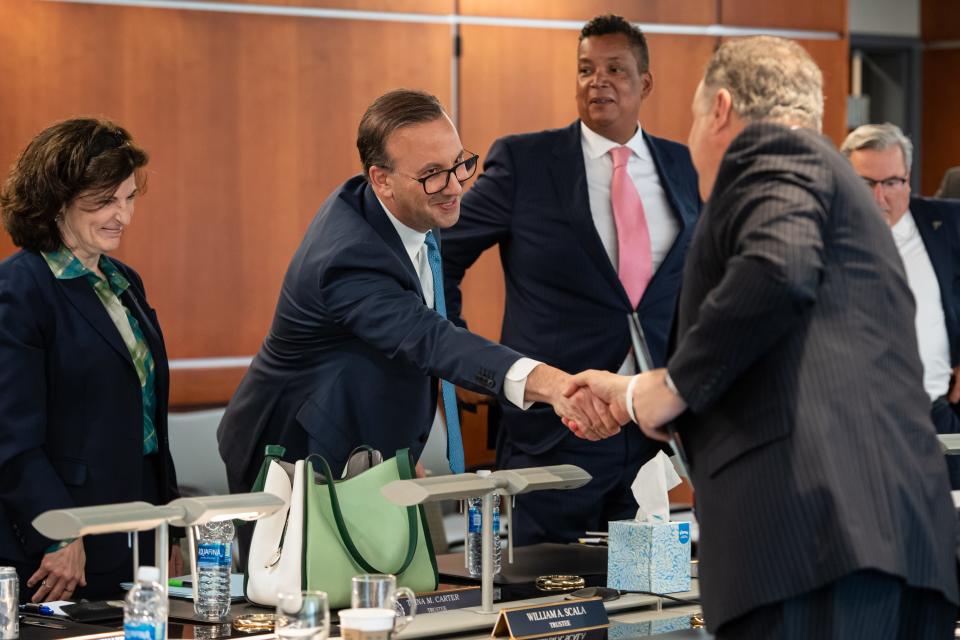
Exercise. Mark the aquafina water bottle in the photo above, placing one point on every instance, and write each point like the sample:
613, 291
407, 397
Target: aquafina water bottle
145, 610
214, 542
475, 533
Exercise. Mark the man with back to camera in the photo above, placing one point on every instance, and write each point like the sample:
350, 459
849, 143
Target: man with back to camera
592, 222
927, 234
359, 338
794, 379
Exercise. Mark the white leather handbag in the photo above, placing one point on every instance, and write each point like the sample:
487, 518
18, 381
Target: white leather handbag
276, 548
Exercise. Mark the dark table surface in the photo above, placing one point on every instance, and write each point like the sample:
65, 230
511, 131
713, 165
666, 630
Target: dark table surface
515, 582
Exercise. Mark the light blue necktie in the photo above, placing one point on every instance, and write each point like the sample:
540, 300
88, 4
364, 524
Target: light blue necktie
454, 441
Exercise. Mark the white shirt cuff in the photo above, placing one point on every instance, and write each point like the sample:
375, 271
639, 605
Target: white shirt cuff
515, 384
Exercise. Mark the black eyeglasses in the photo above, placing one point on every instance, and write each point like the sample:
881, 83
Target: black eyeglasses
886, 183
438, 180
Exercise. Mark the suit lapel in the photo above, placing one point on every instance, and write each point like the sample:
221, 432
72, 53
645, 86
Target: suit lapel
935, 238
82, 296
377, 217
150, 331
666, 171
570, 183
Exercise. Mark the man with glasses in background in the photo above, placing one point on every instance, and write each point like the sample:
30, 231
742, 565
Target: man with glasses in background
927, 234
359, 340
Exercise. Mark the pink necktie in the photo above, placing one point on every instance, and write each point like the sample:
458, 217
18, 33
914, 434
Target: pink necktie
633, 236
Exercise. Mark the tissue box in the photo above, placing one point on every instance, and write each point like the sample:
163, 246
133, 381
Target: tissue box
646, 556
634, 630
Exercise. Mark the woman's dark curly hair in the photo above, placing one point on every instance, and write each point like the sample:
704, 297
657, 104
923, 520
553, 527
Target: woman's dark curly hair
73, 157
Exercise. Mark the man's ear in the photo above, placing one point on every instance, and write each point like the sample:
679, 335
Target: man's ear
646, 84
721, 108
380, 180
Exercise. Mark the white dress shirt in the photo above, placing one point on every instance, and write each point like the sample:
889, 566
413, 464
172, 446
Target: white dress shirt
931, 327
661, 222
515, 383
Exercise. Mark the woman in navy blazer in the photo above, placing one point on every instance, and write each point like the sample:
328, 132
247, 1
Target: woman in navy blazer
84, 379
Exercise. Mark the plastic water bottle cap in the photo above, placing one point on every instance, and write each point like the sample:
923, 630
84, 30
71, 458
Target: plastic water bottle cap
148, 574
483, 473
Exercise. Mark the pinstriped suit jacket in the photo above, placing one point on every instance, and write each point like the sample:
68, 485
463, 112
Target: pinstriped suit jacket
808, 433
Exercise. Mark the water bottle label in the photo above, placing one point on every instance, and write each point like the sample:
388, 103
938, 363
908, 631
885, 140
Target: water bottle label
143, 631
213, 555
496, 521
475, 520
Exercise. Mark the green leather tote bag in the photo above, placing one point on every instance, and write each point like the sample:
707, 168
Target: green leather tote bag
349, 528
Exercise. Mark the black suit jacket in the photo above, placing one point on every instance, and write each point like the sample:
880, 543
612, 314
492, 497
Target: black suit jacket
808, 430
565, 304
71, 416
938, 222
354, 355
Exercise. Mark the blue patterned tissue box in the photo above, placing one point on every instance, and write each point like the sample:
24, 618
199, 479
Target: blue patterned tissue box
643, 556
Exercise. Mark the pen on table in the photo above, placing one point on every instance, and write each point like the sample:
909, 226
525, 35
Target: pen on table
180, 582
35, 622
32, 607
602, 541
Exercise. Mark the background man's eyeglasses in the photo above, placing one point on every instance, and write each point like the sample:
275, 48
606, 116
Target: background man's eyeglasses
438, 180
886, 183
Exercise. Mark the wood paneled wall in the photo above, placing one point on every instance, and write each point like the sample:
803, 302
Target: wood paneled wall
940, 30
250, 121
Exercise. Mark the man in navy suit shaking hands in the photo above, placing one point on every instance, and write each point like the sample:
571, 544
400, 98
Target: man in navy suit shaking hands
359, 342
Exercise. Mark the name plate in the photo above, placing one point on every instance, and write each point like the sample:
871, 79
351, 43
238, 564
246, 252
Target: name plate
566, 619
437, 601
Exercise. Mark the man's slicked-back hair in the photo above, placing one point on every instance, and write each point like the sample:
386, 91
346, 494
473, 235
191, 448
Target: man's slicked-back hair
391, 111
768, 78
609, 25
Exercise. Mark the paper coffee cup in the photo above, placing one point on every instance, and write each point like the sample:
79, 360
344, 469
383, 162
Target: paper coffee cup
367, 624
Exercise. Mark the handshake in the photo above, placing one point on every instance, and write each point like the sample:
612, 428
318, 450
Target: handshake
595, 404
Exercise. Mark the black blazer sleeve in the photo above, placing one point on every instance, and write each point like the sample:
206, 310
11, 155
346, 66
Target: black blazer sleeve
361, 293
29, 484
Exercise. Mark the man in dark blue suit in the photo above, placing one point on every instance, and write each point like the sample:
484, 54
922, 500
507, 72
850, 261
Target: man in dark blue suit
548, 199
359, 341
927, 234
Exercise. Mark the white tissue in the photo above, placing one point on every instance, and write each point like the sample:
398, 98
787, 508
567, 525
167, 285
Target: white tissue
650, 488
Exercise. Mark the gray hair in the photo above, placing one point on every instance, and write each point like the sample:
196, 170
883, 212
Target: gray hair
878, 137
768, 79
